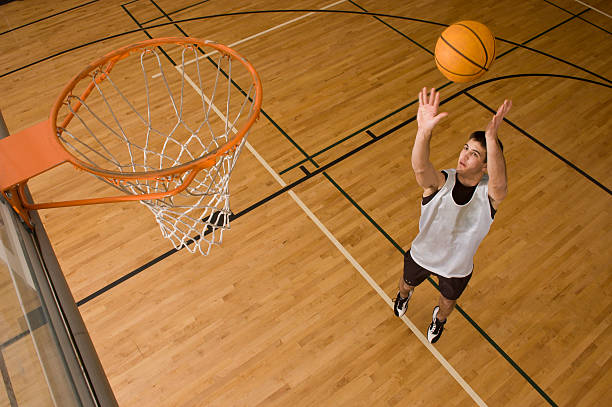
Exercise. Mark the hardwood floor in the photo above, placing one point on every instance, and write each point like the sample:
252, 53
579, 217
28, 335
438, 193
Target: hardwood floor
280, 313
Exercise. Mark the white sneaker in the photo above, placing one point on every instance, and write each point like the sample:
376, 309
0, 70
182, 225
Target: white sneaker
401, 304
434, 332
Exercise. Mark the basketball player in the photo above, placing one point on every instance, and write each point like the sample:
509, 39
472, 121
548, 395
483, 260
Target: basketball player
457, 210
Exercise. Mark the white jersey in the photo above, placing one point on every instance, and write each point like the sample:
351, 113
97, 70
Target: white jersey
449, 234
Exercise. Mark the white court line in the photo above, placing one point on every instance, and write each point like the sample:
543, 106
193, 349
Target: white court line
593, 8
346, 254
370, 281
258, 34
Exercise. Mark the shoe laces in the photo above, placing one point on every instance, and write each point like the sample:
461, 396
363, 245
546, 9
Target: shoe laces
399, 300
437, 325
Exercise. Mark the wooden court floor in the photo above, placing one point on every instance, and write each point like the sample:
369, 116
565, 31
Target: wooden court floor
295, 307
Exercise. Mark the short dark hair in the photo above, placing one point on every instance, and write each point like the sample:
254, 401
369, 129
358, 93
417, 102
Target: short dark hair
479, 136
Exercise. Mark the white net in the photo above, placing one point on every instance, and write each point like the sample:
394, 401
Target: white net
169, 115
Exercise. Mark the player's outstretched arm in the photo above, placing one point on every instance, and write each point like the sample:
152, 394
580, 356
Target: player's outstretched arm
427, 118
496, 164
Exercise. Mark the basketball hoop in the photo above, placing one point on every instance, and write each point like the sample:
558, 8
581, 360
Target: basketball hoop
168, 137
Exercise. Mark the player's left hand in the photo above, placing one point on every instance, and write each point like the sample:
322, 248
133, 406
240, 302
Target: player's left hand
498, 118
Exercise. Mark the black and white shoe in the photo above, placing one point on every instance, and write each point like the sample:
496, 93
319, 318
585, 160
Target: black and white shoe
401, 304
436, 327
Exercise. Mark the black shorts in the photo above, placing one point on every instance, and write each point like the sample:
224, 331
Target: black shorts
451, 288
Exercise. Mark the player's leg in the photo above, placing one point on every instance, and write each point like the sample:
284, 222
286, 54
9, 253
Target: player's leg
446, 307
450, 290
405, 289
412, 276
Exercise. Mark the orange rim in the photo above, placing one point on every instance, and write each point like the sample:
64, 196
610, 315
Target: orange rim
111, 59
41, 140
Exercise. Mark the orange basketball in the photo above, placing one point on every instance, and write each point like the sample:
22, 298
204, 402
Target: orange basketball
465, 50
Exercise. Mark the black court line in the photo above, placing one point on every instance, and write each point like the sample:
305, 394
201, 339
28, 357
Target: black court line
147, 34
369, 133
505, 53
544, 146
175, 11
577, 15
279, 11
47, 17
393, 28
556, 59
355, 133
7, 381
544, 32
414, 101
458, 93
262, 110
14, 339
350, 136
125, 277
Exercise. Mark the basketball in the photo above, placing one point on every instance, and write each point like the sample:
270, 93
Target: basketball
464, 51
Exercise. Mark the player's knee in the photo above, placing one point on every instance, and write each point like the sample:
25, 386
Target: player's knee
405, 286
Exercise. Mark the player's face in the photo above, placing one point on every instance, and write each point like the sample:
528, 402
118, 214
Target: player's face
471, 158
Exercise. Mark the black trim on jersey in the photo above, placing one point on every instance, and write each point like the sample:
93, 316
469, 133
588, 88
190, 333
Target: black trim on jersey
461, 194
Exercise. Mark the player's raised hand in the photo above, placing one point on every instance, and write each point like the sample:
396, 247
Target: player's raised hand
427, 116
498, 118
